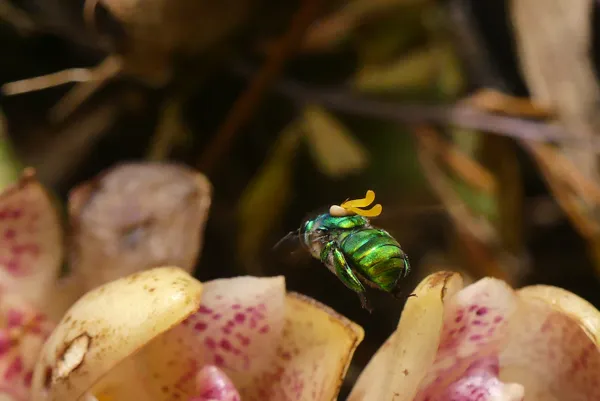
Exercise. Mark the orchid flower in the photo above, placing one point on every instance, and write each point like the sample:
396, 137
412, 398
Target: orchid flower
152, 335
33, 249
487, 342
247, 339
161, 335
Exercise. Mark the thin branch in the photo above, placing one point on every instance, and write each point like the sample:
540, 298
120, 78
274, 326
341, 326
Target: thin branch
108, 69
48, 81
471, 45
344, 100
246, 104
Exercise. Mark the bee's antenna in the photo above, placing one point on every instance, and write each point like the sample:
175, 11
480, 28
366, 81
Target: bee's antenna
286, 237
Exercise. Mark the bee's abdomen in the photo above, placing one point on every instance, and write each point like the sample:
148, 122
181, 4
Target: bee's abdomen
377, 256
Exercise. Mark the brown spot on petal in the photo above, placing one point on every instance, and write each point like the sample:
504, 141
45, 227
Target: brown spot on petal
438, 278
47, 377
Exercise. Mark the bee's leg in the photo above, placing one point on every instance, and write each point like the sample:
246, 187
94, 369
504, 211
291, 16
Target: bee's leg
333, 255
396, 293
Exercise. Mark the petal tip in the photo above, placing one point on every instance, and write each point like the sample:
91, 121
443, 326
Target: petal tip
449, 283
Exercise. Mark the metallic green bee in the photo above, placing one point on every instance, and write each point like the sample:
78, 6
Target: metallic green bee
356, 252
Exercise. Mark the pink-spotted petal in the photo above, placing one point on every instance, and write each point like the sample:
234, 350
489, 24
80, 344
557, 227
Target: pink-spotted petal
551, 353
31, 249
23, 332
480, 383
313, 355
395, 371
214, 385
476, 325
236, 328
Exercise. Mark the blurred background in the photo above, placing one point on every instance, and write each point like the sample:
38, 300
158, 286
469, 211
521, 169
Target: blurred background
475, 123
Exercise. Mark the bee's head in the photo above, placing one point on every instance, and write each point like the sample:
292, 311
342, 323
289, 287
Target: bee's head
307, 227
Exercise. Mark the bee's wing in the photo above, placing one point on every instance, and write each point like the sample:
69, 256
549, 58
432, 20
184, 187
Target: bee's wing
289, 250
293, 257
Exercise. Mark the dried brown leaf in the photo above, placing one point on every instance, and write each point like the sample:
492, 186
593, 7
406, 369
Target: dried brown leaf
469, 170
477, 238
498, 102
575, 193
554, 40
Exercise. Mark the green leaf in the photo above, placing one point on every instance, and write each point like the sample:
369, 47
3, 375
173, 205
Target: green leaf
479, 203
10, 167
412, 72
266, 197
333, 147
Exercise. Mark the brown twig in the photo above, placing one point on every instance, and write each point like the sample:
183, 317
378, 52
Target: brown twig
556, 162
462, 115
63, 77
72, 142
249, 101
471, 46
494, 101
100, 75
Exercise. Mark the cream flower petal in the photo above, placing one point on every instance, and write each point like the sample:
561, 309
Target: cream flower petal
396, 370
313, 354
551, 354
302, 355
108, 325
585, 313
31, 237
